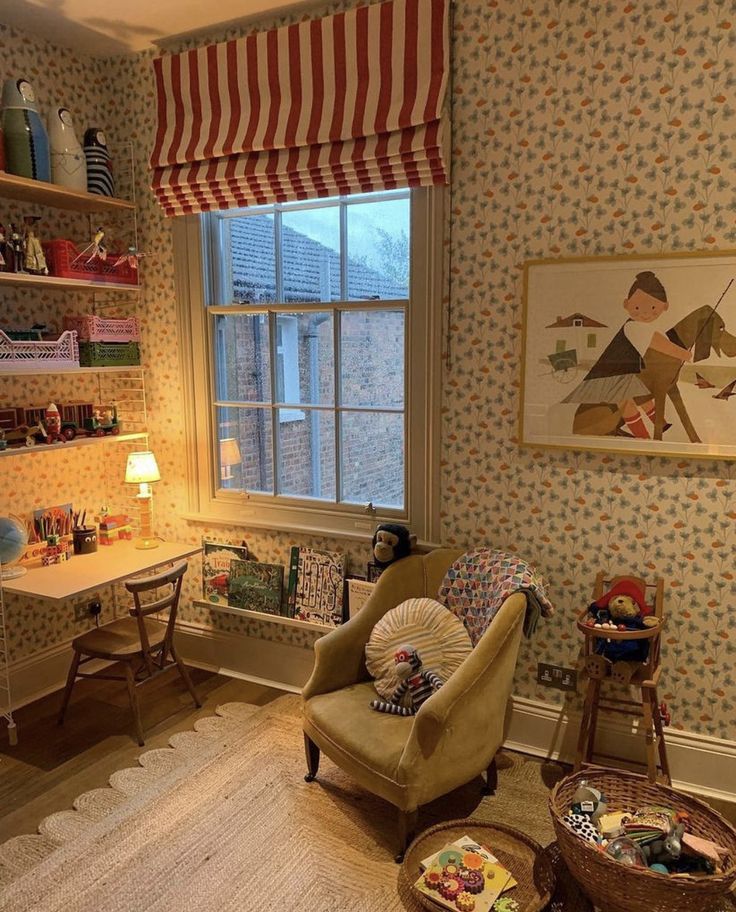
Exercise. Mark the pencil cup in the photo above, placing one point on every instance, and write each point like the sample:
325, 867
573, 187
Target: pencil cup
85, 540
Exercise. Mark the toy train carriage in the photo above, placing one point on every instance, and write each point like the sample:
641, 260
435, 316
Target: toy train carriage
16, 428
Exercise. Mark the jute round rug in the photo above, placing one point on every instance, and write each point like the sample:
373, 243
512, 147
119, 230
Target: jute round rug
222, 821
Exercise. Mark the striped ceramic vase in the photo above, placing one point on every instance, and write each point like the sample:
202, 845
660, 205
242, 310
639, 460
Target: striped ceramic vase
99, 164
26, 140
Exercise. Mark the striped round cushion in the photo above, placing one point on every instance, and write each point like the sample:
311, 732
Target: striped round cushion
438, 636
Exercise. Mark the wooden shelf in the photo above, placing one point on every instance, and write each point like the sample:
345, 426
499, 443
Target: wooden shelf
46, 194
22, 279
70, 444
262, 616
53, 371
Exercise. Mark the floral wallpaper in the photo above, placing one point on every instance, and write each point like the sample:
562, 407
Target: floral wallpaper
577, 128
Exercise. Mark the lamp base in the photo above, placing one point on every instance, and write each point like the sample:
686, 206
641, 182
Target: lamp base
145, 544
8, 573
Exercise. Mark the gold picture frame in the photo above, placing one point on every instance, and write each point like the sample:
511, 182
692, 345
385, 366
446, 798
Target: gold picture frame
632, 354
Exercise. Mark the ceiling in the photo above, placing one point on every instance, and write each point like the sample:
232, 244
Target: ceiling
105, 27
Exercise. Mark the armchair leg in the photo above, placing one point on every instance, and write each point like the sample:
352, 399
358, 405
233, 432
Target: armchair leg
407, 826
491, 779
312, 752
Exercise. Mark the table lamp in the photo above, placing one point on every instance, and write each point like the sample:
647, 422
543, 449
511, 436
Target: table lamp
229, 457
142, 470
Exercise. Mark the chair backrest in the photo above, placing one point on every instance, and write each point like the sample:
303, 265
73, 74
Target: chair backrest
170, 601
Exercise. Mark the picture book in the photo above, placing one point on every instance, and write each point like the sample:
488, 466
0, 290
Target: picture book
359, 591
316, 584
468, 844
256, 586
460, 880
216, 560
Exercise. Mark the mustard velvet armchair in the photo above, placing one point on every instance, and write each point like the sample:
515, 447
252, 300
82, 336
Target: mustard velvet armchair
454, 737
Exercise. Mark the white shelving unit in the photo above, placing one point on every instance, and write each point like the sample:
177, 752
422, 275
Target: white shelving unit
122, 386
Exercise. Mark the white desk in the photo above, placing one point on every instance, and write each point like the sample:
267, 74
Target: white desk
88, 572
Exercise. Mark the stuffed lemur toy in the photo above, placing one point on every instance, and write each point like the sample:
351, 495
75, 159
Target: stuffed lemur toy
418, 683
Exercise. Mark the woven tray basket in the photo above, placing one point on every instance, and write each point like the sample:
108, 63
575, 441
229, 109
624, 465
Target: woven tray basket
616, 888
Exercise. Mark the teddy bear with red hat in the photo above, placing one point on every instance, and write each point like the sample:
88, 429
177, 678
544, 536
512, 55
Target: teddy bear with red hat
623, 607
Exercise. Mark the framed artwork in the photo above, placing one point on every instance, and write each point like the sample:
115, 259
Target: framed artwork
631, 354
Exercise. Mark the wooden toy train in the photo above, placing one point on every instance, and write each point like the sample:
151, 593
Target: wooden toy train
22, 426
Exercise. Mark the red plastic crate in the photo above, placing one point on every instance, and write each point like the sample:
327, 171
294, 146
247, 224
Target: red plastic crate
60, 256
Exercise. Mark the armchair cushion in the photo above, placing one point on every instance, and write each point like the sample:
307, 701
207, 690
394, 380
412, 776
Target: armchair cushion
366, 744
438, 636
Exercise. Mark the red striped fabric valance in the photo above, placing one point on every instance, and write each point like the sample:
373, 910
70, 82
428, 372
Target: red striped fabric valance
345, 104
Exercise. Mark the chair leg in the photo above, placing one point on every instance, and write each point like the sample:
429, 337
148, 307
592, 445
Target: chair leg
133, 695
312, 752
491, 783
184, 672
406, 828
70, 680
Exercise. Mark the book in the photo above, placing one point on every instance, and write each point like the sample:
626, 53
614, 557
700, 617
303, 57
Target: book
444, 880
256, 586
359, 591
316, 583
216, 560
468, 844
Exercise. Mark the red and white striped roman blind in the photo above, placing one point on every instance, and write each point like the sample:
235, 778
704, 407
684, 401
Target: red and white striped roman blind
345, 104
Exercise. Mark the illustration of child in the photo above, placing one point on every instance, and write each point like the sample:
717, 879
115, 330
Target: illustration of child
614, 378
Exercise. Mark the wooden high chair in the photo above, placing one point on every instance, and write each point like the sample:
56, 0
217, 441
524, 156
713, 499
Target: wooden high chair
143, 646
645, 678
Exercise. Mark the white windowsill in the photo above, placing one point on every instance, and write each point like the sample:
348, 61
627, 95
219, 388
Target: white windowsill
362, 535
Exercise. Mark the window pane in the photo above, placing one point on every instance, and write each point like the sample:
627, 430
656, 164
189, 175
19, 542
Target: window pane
378, 250
373, 458
372, 358
310, 254
245, 451
305, 371
242, 372
253, 258
306, 453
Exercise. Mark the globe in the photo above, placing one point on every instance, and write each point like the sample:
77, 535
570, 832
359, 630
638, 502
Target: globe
13, 539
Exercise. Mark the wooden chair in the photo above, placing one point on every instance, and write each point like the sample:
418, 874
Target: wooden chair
646, 678
143, 646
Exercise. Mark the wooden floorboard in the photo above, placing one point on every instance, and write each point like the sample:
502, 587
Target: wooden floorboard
51, 765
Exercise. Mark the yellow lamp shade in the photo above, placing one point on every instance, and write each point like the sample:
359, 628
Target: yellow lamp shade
142, 468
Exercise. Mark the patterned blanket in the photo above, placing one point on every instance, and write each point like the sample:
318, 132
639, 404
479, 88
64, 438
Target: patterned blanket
478, 583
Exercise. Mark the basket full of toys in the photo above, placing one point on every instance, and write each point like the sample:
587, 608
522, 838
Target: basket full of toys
636, 846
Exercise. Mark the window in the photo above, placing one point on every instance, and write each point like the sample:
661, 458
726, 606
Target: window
561, 345
317, 325
591, 340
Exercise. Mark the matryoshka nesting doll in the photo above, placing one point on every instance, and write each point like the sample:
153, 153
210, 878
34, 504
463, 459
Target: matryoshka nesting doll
26, 140
68, 163
99, 164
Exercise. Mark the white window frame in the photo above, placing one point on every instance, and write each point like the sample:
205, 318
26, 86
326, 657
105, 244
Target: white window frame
289, 351
208, 502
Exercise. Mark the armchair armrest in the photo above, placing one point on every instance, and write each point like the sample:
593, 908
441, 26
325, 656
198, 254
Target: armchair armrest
476, 695
340, 655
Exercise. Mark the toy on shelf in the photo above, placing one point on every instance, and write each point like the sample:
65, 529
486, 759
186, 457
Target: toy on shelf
25, 137
68, 164
58, 423
16, 249
100, 179
34, 354
33, 256
622, 642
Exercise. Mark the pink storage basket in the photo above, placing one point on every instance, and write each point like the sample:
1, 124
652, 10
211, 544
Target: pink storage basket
90, 328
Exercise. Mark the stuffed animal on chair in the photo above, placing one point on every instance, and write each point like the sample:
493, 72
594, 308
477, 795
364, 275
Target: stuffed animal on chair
418, 683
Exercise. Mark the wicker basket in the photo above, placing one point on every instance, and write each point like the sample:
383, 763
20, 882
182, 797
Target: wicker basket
616, 888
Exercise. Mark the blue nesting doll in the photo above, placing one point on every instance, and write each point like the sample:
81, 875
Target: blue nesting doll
26, 140
99, 164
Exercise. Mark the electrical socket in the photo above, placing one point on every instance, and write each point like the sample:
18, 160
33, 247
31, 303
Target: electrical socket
85, 610
557, 676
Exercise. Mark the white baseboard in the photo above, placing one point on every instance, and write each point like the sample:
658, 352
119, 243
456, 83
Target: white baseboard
699, 764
